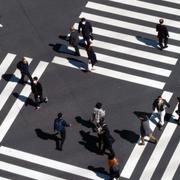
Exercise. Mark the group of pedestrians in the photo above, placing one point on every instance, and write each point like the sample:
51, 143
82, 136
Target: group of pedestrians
84, 28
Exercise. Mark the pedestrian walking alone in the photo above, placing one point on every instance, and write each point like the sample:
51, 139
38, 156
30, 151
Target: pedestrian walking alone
91, 56
23, 66
37, 91
159, 108
60, 127
113, 164
162, 35
86, 28
74, 40
178, 110
145, 130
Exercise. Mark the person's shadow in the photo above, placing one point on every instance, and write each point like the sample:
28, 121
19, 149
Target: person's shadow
10, 77
89, 141
100, 172
46, 136
147, 41
85, 123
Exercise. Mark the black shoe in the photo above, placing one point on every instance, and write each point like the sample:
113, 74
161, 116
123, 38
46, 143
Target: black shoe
165, 46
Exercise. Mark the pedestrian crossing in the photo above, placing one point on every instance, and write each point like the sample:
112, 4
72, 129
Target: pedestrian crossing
149, 62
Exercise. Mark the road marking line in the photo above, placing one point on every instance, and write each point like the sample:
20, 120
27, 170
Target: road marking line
126, 25
159, 150
26, 172
6, 63
138, 150
7, 91
172, 1
131, 14
110, 73
1, 25
173, 165
133, 39
14, 111
50, 163
150, 6
128, 64
2, 178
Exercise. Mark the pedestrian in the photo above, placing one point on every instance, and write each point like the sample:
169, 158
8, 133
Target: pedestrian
145, 130
60, 127
37, 91
91, 56
100, 132
113, 164
163, 34
74, 40
23, 66
86, 28
107, 139
178, 110
98, 115
159, 107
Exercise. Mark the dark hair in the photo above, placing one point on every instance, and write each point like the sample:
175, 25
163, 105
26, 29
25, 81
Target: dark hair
111, 156
83, 19
35, 78
98, 105
161, 21
60, 114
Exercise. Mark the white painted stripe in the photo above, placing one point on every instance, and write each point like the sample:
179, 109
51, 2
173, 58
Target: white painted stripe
131, 14
138, 150
26, 172
111, 73
7, 91
172, 1
2, 178
128, 64
133, 39
14, 111
126, 25
50, 163
135, 52
6, 63
173, 165
159, 150
1, 25
150, 6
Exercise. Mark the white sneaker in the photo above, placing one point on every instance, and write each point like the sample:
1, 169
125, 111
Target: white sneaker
45, 99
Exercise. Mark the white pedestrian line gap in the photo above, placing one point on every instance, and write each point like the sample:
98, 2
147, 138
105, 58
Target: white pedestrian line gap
15, 109
126, 25
50, 163
138, 150
159, 150
135, 52
127, 63
173, 165
150, 6
131, 14
6, 63
110, 73
172, 1
133, 39
26, 172
7, 91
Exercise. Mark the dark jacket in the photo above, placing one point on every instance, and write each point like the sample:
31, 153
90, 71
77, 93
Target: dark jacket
160, 104
86, 28
74, 38
162, 31
60, 125
36, 88
23, 67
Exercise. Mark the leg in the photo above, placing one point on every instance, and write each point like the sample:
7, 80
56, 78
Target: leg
160, 43
63, 136
152, 139
162, 114
165, 42
77, 50
22, 78
36, 101
142, 140
30, 77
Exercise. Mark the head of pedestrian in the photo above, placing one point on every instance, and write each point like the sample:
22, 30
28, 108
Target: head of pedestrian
83, 20
35, 80
98, 105
72, 29
161, 21
60, 114
24, 60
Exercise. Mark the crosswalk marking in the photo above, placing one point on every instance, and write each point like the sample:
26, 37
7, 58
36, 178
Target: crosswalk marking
111, 73
2, 178
128, 64
26, 172
173, 165
133, 39
1, 25
14, 111
150, 6
7, 91
6, 63
50, 163
128, 13
138, 150
126, 25
159, 150
172, 1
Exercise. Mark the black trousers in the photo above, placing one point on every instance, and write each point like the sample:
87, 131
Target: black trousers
163, 40
26, 74
38, 99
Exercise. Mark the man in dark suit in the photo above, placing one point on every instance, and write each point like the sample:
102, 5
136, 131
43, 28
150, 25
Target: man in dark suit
86, 28
163, 34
